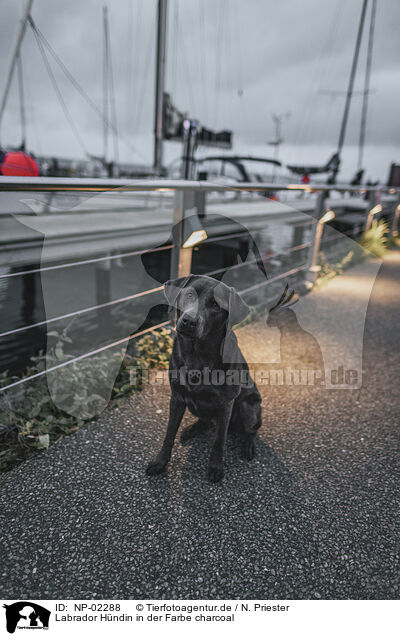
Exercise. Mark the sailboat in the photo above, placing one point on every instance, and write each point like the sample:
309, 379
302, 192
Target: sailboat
332, 166
170, 123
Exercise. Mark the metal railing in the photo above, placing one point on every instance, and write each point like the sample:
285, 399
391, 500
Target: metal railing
67, 184
187, 195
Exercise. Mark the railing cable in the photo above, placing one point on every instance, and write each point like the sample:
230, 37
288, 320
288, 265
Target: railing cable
83, 356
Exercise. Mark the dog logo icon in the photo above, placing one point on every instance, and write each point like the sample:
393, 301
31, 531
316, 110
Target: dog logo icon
26, 615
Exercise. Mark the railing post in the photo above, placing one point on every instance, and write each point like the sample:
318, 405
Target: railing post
200, 203
298, 233
313, 268
371, 205
103, 293
29, 290
181, 257
395, 223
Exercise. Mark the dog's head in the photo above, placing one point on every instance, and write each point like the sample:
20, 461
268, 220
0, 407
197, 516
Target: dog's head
204, 306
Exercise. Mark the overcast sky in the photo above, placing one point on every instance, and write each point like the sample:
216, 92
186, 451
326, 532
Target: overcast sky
230, 63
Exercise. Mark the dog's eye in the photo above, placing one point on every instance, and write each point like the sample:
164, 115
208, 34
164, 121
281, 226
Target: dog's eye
215, 305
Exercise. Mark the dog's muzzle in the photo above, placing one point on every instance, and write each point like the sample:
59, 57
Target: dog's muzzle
187, 325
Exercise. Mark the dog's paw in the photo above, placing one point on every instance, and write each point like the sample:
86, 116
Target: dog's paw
249, 450
156, 467
215, 473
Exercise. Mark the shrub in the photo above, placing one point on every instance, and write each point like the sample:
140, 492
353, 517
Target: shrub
376, 239
154, 349
330, 270
31, 418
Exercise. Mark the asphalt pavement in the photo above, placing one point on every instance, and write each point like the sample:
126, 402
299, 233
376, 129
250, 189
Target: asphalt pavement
315, 515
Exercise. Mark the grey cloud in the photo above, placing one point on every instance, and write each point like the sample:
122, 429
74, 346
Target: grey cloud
280, 55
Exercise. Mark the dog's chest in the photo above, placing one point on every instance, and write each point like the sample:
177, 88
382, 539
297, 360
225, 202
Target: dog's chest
205, 394
202, 401
201, 380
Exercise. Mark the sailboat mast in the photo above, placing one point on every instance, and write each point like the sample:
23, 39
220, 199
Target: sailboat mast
105, 83
22, 103
351, 86
160, 80
20, 37
366, 87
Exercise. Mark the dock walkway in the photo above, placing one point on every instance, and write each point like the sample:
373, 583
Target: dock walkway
313, 516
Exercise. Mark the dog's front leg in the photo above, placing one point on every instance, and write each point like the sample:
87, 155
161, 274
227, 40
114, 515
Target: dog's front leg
176, 411
216, 462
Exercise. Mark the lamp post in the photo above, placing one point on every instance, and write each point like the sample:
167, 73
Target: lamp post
324, 217
377, 209
188, 231
190, 131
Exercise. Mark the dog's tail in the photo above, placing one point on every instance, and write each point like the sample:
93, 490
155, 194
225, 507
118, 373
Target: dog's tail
287, 299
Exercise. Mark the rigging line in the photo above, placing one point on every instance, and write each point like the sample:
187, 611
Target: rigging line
203, 58
322, 123
65, 70
242, 113
138, 58
18, 43
77, 86
225, 71
59, 95
186, 71
343, 127
129, 58
174, 54
31, 114
196, 56
234, 69
219, 34
229, 57
319, 71
317, 77
21, 102
146, 75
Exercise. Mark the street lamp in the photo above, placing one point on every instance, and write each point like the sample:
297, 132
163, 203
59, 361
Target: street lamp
193, 231
328, 216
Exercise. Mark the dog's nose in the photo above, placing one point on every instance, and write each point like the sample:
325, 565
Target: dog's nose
189, 321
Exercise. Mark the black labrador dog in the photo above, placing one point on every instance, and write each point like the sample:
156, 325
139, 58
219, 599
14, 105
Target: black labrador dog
208, 373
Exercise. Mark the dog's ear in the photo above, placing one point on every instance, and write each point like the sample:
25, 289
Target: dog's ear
229, 299
172, 289
238, 309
